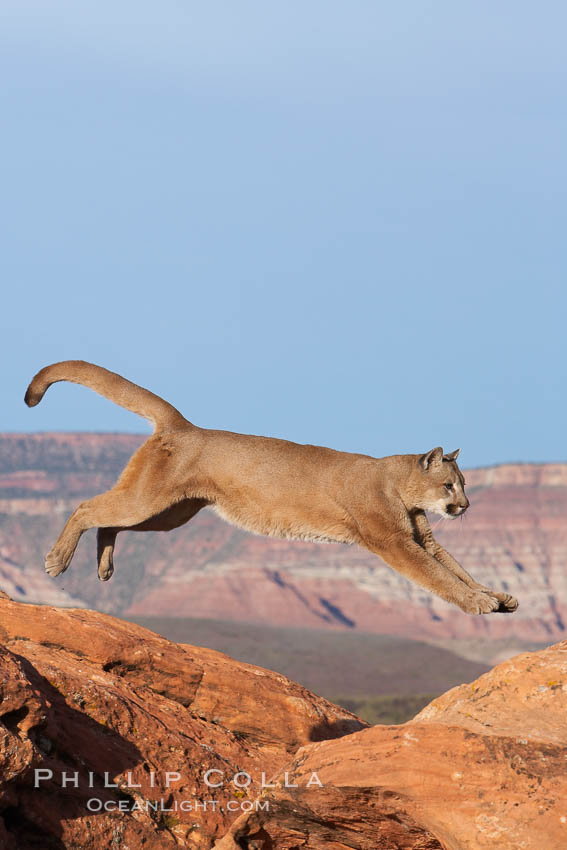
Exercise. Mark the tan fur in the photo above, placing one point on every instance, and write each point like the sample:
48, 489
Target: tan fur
271, 487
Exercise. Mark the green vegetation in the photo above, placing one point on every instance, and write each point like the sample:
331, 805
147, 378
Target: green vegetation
387, 709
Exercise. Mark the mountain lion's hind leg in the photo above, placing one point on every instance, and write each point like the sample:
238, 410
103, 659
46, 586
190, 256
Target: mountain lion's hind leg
110, 509
105, 540
174, 516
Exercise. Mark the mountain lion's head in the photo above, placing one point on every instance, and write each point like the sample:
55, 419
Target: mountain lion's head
444, 484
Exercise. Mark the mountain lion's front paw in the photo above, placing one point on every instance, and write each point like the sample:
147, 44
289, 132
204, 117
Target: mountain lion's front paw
507, 603
478, 602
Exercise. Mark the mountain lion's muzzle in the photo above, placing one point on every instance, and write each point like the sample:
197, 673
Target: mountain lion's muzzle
457, 509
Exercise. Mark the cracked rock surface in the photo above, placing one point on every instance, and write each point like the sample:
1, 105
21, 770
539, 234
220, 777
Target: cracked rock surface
109, 709
483, 766
138, 719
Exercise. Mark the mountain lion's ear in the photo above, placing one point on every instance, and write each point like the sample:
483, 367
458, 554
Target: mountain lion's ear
453, 456
431, 458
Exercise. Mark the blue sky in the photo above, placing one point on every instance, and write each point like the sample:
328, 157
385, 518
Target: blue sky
340, 223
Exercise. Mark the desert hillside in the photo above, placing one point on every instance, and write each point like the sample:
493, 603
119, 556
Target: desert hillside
514, 537
109, 735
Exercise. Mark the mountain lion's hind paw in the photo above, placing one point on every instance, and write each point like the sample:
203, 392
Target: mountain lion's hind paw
54, 566
105, 571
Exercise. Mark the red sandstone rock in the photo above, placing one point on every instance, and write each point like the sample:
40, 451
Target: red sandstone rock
483, 766
85, 693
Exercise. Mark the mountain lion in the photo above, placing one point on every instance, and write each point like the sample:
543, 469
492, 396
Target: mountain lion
271, 487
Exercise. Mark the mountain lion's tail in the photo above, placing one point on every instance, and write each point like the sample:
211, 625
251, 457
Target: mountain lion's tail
110, 385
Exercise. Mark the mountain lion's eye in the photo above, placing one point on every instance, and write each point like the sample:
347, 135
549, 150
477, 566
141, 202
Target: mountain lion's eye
448, 486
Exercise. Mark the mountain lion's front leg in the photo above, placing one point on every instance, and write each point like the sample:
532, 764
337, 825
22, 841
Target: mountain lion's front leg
401, 552
424, 536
